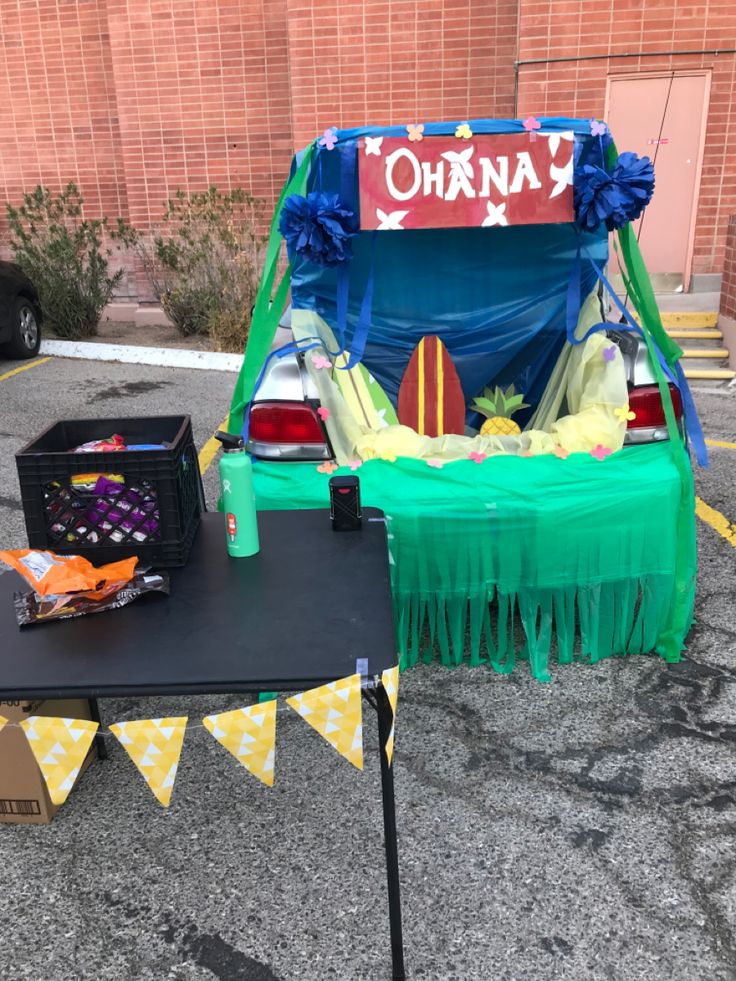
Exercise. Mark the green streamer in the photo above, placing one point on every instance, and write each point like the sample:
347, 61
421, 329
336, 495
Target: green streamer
520, 557
267, 310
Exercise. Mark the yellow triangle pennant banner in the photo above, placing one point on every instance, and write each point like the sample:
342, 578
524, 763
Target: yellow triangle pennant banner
154, 745
60, 747
390, 682
3, 721
250, 735
336, 712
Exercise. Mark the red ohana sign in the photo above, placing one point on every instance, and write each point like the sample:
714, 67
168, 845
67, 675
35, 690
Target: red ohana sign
446, 182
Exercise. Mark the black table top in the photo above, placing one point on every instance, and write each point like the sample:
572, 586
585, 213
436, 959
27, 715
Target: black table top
296, 615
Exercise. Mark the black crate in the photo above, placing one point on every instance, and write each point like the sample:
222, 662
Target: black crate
153, 514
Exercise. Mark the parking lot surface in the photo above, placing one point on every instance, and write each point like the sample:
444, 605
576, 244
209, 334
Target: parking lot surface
584, 829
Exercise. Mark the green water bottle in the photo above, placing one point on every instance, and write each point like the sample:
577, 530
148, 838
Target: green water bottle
238, 497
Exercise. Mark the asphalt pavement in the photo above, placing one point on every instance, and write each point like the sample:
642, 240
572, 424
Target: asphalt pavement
584, 829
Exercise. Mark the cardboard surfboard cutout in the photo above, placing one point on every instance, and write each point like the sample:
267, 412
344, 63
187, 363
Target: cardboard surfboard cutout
431, 398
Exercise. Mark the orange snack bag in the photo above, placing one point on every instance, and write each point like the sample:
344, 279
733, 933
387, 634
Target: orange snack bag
49, 574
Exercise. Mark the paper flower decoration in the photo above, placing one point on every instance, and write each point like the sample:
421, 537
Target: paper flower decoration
373, 146
613, 198
318, 227
320, 362
609, 353
477, 457
463, 132
415, 131
438, 464
561, 453
323, 413
327, 467
531, 123
624, 414
597, 128
355, 464
600, 452
329, 138
388, 457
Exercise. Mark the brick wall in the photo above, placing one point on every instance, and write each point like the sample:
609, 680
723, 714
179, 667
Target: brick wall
203, 97
399, 61
728, 289
136, 98
58, 112
574, 28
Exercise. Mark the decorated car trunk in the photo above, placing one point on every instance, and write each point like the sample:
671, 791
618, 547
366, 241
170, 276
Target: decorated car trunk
449, 346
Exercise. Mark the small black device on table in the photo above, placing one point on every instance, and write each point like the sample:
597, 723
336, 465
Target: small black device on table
261, 621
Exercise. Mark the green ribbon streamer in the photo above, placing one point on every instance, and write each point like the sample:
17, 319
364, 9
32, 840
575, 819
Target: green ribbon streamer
670, 642
267, 311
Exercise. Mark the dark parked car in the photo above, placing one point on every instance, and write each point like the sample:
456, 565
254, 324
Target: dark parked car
20, 317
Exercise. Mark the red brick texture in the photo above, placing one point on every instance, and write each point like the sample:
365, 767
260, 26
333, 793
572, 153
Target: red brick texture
728, 289
575, 28
133, 99
359, 62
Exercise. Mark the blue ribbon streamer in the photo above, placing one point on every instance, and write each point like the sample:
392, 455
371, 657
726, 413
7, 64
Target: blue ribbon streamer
293, 347
693, 430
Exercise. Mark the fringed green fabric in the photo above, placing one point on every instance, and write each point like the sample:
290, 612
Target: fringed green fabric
534, 559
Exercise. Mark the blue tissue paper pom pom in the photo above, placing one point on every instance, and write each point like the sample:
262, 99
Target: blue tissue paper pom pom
613, 198
318, 227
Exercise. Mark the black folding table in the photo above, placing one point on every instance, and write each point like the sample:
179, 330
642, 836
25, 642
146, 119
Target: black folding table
313, 606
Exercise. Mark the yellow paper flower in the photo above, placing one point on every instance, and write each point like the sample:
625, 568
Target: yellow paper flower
463, 132
624, 414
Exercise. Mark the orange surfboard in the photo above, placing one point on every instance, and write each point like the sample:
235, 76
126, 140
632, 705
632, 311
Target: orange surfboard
431, 398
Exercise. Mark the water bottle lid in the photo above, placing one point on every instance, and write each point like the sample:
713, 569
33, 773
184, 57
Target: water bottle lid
231, 443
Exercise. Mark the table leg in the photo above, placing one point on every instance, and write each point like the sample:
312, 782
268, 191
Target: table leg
385, 718
94, 711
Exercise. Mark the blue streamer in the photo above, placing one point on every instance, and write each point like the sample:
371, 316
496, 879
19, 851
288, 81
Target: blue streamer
360, 337
293, 347
693, 430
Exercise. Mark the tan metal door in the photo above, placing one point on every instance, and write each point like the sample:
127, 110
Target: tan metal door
664, 115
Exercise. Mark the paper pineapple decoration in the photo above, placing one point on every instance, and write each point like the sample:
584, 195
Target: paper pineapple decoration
498, 406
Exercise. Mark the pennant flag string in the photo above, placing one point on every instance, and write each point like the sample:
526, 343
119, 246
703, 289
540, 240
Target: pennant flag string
154, 745
60, 747
334, 710
390, 681
250, 735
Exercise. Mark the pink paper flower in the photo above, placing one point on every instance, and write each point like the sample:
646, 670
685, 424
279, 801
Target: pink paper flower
477, 457
327, 467
439, 464
531, 123
415, 131
600, 452
561, 452
329, 138
323, 413
319, 362
355, 464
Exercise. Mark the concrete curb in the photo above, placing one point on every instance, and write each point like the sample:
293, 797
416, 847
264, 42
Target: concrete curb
129, 354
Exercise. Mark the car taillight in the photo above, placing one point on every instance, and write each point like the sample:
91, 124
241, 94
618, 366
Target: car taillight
285, 422
646, 402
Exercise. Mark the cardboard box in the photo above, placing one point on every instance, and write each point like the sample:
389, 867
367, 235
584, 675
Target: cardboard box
24, 798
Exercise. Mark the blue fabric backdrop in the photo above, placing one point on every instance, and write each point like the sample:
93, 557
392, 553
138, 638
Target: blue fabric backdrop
496, 296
